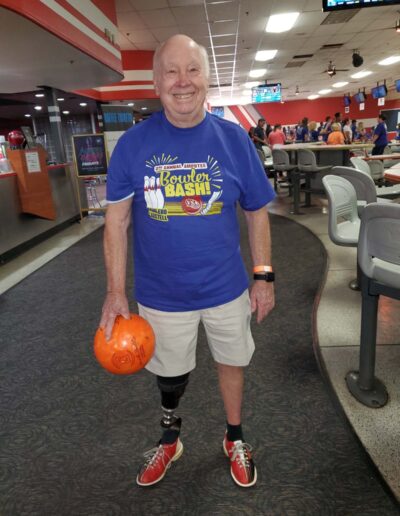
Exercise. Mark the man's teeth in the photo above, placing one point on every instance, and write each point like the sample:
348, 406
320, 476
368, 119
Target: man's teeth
186, 96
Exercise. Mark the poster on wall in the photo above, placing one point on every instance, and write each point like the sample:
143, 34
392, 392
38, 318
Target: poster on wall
89, 154
117, 117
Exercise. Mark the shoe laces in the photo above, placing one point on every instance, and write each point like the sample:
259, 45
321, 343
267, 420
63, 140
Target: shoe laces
241, 453
153, 455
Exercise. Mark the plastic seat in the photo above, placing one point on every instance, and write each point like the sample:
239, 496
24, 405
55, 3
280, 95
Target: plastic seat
344, 222
391, 192
373, 168
363, 184
282, 163
379, 263
307, 163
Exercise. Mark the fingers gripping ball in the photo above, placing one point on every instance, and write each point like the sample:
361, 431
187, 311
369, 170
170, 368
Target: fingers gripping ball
130, 347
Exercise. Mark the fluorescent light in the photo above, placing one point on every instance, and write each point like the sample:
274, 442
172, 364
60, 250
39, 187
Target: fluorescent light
258, 72
313, 97
389, 60
60, 99
28, 115
281, 22
251, 84
324, 92
39, 94
143, 108
265, 55
339, 84
38, 108
83, 104
65, 112
360, 75
131, 104
246, 92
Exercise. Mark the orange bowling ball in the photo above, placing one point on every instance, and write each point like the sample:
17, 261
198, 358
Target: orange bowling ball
130, 347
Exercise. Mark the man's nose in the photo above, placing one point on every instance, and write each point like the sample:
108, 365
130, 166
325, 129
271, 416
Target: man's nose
182, 78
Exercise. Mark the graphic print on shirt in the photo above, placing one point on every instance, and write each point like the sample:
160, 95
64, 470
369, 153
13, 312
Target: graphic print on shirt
182, 189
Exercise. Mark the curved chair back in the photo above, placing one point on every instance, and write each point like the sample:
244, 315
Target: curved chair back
362, 182
344, 222
306, 160
267, 151
360, 164
373, 168
280, 159
379, 243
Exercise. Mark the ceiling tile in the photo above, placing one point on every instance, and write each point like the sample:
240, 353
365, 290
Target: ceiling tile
157, 18
144, 5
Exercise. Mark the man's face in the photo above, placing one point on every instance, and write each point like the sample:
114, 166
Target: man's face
181, 82
261, 123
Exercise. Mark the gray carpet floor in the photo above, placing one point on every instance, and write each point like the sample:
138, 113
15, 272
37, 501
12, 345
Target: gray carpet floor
72, 435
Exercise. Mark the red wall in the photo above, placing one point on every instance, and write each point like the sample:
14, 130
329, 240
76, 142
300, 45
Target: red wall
108, 8
292, 112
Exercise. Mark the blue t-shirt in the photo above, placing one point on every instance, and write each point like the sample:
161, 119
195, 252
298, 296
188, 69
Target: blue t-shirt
301, 133
380, 130
186, 185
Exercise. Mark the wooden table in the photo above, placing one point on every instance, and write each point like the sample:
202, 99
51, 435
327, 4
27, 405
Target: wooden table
392, 174
394, 155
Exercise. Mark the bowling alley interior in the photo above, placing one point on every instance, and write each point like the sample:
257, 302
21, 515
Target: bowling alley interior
316, 86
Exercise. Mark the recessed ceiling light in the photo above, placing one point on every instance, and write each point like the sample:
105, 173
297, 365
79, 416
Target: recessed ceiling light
38, 108
60, 99
258, 72
83, 104
389, 60
65, 112
360, 75
313, 97
324, 92
265, 55
251, 84
39, 94
131, 104
339, 84
281, 22
143, 108
28, 115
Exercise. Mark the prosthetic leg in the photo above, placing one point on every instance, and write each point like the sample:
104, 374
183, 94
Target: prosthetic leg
172, 389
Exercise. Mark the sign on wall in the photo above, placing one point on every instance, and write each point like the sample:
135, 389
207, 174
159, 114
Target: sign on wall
89, 154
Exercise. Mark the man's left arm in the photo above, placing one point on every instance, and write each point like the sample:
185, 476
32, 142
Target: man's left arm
262, 295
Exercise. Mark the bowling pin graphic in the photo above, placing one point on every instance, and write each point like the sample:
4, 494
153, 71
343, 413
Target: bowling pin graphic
152, 193
159, 195
146, 191
215, 196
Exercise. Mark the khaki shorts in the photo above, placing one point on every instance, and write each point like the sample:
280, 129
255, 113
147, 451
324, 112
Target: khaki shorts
228, 334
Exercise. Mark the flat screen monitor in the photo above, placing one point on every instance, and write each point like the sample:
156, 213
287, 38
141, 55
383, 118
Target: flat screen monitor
379, 91
338, 5
397, 85
266, 93
218, 111
346, 100
359, 97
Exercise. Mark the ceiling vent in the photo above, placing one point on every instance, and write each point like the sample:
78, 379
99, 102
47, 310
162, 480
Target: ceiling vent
225, 85
333, 46
303, 56
295, 64
340, 16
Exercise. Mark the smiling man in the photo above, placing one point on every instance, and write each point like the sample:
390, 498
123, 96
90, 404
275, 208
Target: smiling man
180, 175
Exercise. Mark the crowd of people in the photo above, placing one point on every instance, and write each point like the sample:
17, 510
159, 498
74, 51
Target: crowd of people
332, 131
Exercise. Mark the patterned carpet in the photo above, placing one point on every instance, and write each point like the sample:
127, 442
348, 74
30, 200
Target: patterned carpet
72, 436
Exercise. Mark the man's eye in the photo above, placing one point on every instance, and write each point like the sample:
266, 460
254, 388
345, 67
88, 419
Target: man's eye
171, 72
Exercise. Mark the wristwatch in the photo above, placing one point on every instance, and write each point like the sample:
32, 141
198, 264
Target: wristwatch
265, 276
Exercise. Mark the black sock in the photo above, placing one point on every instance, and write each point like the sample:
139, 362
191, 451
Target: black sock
234, 432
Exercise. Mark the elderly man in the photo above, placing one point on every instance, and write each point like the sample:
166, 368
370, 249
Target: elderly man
180, 175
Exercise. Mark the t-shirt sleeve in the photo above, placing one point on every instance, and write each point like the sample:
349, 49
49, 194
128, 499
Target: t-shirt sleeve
119, 178
256, 189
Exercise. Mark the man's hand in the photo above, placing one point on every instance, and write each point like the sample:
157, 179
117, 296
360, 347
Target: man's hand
262, 298
116, 303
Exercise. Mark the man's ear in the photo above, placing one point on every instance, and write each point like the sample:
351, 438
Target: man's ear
156, 89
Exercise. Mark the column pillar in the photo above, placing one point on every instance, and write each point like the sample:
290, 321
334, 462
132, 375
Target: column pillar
55, 124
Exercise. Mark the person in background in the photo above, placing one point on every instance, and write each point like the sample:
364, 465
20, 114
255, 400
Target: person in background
398, 133
313, 132
251, 133
338, 118
268, 129
188, 265
379, 138
326, 128
336, 136
259, 137
353, 129
347, 132
360, 132
302, 131
276, 136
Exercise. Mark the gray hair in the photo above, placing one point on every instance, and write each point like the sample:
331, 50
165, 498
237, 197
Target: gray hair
202, 50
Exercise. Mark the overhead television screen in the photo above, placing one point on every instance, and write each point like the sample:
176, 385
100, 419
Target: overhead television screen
266, 93
379, 91
359, 97
346, 100
337, 5
397, 84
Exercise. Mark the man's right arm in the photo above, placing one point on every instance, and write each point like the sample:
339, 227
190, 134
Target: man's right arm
118, 218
